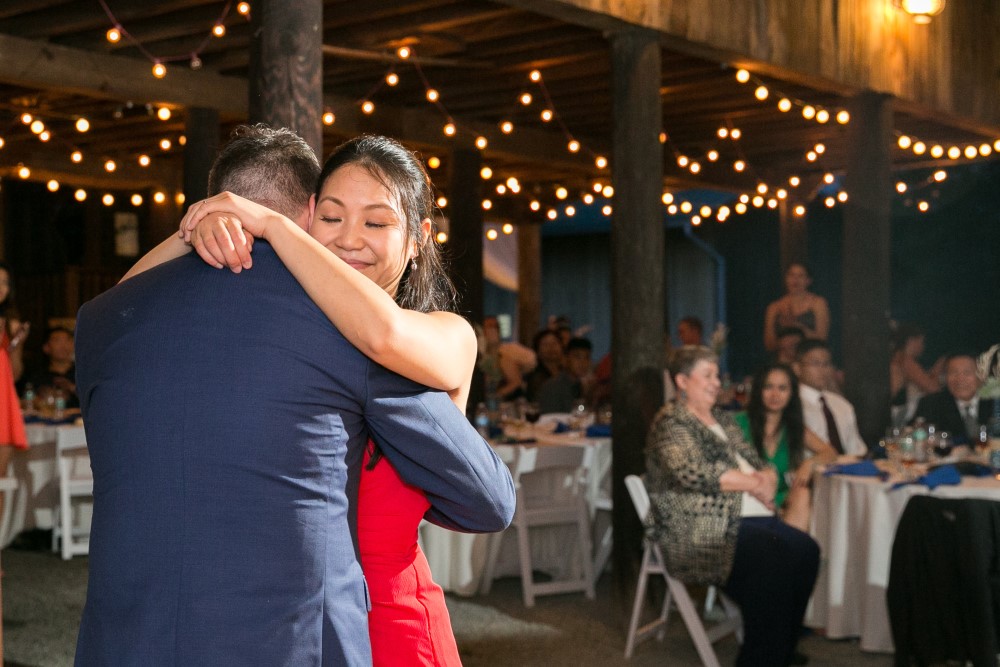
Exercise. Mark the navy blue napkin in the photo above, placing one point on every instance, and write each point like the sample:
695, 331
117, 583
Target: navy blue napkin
947, 474
599, 431
863, 468
561, 428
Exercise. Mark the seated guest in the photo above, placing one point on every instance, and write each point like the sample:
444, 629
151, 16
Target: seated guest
773, 424
827, 414
580, 366
551, 362
58, 371
956, 409
712, 502
908, 381
788, 342
502, 363
690, 330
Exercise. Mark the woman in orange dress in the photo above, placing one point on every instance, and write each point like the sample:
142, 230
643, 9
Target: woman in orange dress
370, 264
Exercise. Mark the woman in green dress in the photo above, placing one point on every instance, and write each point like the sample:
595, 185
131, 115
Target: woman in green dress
773, 424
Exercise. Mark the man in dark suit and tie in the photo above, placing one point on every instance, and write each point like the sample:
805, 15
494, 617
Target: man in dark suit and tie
957, 408
226, 419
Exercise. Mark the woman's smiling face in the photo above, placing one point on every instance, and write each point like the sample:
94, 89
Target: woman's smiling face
360, 221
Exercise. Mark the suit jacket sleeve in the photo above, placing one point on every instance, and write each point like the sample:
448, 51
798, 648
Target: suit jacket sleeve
434, 447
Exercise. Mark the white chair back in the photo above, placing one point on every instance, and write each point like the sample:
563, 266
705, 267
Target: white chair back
76, 481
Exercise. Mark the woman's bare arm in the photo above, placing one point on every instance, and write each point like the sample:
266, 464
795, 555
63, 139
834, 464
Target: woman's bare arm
171, 248
436, 349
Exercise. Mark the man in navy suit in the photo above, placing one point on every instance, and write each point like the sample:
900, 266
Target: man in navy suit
957, 408
226, 419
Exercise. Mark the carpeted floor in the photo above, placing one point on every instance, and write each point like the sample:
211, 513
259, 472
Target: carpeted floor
43, 597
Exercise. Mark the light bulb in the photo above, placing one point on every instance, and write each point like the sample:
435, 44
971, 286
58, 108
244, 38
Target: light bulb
82, 124
433, 95
573, 146
601, 162
546, 115
80, 195
159, 197
442, 237
108, 199
442, 202
165, 144
506, 127
368, 107
784, 105
735, 133
486, 173
163, 113
901, 187
136, 199
822, 116
45, 135
403, 52
843, 117
712, 155
742, 75
392, 78
525, 99
110, 166
808, 112
799, 210
507, 228
491, 234
761, 93
449, 129
561, 193
329, 118
433, 162
159, 70
113, 35
76, 156
243, 8
481, 143
52, 185
535, 75
570, 211
219, 30
144, 160
487, 205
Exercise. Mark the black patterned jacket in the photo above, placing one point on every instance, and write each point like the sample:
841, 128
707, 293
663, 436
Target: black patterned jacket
693, 520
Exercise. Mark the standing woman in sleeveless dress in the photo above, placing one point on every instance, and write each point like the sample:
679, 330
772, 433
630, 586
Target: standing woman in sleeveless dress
370, 264
798, 308
12, 334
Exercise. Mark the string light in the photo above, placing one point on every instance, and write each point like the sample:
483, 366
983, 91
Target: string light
546, 115
573, 146
136, 200
26, 118
113, 35
329, 118
923, 206
971, 152
606, 210
403, 52
442, 237
799, 210
159, 70
901, 187
481, 142
487, 205
243, 8
600, 162
449, 129
561, 193
219, 30
507, 228
535, 75
588, 199
108, 199
80, 195
368, 107
165, 144
486, 173
110, 166
525, 99
433, 95
506, 127
434, 162
82, 124
144, 160
570, 211
37, 127
159, 197
53, 185
534, 205
742, 75
784, 105
76, 156
442, 202
608, 192
163, 113
179, 198
392, 78
44, 136
551, 214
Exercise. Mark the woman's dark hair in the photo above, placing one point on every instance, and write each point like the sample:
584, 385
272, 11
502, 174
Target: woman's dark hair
7, 308
424, 287
791, 416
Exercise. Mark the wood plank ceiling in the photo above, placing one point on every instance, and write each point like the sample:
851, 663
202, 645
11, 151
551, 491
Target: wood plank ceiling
476, 54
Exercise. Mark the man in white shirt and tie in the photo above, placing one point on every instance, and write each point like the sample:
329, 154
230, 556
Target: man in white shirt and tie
957, 408
828, 415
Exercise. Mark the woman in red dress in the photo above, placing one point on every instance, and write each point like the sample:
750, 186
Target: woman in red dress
12, 335
369, 246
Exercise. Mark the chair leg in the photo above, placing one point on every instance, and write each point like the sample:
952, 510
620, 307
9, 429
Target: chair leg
640, 598
603, 554
524, 556
733, 612
693, 622
586, 548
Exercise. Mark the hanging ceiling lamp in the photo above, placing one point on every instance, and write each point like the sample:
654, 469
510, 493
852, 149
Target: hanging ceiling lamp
921, 10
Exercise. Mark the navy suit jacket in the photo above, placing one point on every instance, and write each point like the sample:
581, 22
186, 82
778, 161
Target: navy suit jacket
226, 419
941, 410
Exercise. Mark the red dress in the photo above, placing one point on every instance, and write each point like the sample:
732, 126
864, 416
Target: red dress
11, 420
409, 622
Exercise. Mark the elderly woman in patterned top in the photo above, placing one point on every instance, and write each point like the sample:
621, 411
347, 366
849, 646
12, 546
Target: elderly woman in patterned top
713, 514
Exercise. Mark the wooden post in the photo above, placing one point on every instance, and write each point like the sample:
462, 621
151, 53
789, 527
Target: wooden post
465, 235
792, 237
286, 67
866, 260
202, 132
637, 248
529, 281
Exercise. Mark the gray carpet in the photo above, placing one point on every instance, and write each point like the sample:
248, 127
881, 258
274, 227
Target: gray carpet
43, 597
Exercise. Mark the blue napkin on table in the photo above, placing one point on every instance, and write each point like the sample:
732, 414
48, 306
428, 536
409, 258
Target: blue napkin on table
599, 431
947, 474
863, 468
561, 427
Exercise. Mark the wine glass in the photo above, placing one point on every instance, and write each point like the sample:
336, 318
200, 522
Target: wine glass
531, 414
943, 445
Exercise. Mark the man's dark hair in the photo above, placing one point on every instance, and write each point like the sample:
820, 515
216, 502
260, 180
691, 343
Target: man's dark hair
579, 344
53, 330
808, 345
959, 354
272, 167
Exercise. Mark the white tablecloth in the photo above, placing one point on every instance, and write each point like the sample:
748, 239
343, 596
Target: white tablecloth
854, 520
457, 559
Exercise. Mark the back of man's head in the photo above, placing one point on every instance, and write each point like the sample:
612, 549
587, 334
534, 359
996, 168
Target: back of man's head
272, 167
808, 345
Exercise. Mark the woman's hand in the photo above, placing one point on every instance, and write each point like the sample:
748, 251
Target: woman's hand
215, 228
766, 487
19, 331
803, 475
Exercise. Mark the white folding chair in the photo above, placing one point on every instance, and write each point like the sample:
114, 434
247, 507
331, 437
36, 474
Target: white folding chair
551, 491
76, 481
653, 563
602, 503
